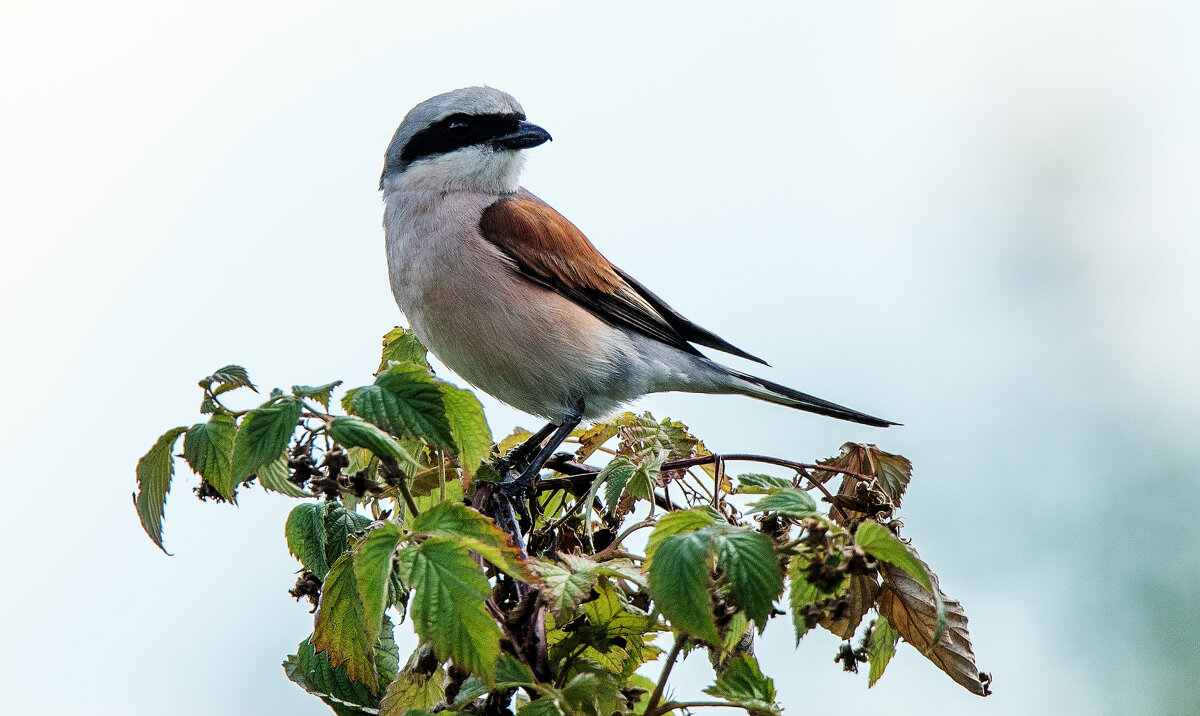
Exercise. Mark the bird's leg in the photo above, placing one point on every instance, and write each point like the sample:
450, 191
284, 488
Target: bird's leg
516, 489
518, 458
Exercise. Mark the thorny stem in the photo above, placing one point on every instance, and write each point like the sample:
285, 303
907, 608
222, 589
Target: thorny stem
656, 696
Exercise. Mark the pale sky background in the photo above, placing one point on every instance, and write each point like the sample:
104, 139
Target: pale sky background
978, 219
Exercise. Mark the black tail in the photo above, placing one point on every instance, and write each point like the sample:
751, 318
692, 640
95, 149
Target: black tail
783, 395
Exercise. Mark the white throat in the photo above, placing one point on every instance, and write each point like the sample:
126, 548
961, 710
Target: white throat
474, 169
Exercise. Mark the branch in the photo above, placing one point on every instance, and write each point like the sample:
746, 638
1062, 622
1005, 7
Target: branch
656, 696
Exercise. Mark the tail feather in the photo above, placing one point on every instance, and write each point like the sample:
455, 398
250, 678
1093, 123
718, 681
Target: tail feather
781, 394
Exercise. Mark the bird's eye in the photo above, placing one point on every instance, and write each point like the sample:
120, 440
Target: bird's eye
459, 130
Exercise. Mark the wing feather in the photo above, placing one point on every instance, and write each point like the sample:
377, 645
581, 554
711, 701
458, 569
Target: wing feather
550, 251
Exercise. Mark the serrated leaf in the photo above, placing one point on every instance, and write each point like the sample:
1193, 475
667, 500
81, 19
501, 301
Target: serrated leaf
406, 402
372, 558
919, 615
341, 628
859, 595
313, 672
305, 533
892, 472
614, 476
471, 689
264, 433
593, 438
744, 684
351, 432
641, 483
319, 393
401, 345
748, 561
406, 693
274, 477
231, 376
476, 531
154, 472
675, 523
759, 484
208, 449
447, 606
542, 706
879, 542
340, 523
788, 502
592, 694
511, 673
803, 592
679, 584
468, 425
881, 648
564, 587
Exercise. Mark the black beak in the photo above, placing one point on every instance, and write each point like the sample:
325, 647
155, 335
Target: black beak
527, 135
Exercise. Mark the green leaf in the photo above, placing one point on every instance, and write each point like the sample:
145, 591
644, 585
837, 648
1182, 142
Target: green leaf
154, 472
468, 425
677, 523
264, 433
544, 706
879, 542
208, 449
353, 432
305, 532
615, 475
406, 402
641, 482
758, 484
229, 377
881, 648
789, 502
341, 627
318, 393
743, 683
473, 530
511, 673
748, 560
679, 584
314, 673
340, 524
471, 689
402, 346
372, 558
566, 584
274, 477
413, 691
803, 592
592, 694
447, 606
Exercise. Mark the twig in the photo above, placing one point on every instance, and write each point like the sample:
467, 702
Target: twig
612, 548
672, 705
656, 695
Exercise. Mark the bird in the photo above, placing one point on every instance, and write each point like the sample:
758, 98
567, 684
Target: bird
514, 298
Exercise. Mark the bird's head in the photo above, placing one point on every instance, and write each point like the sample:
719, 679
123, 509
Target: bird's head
469, 139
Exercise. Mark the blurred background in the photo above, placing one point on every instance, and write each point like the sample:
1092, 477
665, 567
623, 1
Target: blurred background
976, 219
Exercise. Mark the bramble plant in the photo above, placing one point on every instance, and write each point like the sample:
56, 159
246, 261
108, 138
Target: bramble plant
552, 613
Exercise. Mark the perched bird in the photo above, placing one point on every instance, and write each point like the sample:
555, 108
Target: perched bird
510, 295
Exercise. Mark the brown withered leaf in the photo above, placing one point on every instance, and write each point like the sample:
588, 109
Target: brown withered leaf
860, 597
591, 438
891, 472
913, 612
